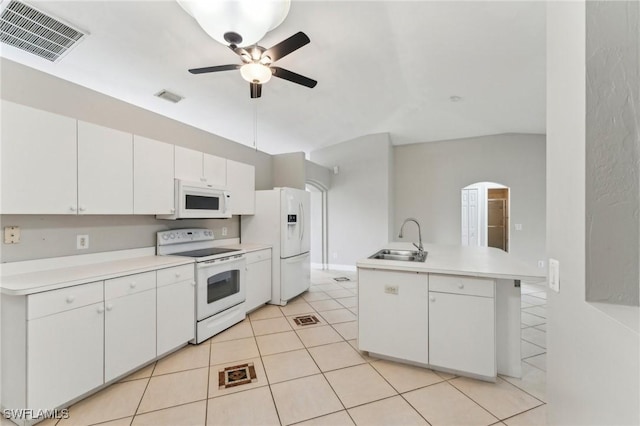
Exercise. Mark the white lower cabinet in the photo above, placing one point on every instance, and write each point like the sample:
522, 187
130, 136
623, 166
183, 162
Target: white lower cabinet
393, 314
129, 323
64, 356
258, 279
176, 315
462, 334
61, 344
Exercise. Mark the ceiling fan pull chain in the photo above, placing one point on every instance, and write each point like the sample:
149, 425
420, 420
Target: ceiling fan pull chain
255, 125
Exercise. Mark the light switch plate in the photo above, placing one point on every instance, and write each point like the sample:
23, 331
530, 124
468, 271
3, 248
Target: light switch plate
11, 234
554, 275
518, 227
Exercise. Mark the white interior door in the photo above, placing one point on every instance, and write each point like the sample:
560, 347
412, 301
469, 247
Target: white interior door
295, 276
469, 214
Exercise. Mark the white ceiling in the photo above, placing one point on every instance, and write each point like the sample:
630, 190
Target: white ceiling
381, 66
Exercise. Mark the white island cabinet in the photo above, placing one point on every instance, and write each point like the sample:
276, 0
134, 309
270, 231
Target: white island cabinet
459, 311
462, 330
393, 311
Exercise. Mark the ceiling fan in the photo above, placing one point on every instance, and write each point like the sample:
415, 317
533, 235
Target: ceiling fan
257, 62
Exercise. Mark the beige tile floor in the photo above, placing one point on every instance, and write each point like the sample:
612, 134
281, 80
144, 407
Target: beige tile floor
314, 375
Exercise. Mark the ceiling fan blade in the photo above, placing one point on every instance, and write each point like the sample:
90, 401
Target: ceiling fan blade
293, 77
214, 69
256, 90
287, 46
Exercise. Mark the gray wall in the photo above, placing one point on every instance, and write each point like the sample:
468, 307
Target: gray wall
592, 359
317, 174
429, 177
612, 137
359, 198
45, 236
50, 236
289, 170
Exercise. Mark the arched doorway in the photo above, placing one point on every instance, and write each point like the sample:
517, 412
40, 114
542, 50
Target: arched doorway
485, 215
318, 233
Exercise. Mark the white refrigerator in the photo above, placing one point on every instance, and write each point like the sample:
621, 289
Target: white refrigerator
282, 221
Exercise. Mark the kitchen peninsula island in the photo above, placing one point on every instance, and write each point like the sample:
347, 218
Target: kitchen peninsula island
458, 311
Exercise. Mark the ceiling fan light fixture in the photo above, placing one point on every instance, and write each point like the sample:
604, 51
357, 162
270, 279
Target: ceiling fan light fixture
255, 73
250, 19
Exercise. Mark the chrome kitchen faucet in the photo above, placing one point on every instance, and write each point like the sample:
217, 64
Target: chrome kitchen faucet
419, 245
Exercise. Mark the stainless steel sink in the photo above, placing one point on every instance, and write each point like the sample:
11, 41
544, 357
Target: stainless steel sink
403, 255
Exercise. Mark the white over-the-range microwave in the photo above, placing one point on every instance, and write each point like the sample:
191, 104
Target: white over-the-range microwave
197, 200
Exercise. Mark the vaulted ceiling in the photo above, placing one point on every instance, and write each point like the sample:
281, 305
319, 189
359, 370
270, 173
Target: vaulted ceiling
421, 70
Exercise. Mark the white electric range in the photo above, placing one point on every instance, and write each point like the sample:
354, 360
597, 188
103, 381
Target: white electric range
220, 278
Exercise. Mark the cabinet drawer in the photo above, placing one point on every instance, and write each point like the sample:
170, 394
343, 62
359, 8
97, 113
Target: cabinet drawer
461, 285
257, 256
175, 275
64, 299
130, 284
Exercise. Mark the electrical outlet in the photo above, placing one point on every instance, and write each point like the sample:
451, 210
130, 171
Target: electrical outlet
334, 255
82, 242
11, 234
540, 263
224, 231
391, 289
554, 275
518, 227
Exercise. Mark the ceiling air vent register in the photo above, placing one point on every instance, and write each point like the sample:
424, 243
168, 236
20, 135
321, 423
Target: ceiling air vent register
33, 31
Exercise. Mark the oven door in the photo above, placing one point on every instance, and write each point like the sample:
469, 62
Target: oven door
220, 285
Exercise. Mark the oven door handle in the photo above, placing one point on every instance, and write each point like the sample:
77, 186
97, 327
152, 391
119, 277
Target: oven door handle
216, 262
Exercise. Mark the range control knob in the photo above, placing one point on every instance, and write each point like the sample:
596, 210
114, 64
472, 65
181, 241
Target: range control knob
165, 237
172, 236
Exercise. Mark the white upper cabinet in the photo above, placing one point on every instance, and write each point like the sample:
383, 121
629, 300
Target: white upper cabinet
188, 164
39, 172
241, 182
152, 176
214, 170
196, 166
105, 170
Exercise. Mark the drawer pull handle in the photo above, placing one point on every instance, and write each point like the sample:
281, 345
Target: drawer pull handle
432, 298
460, 286
70, 299
177, 274
109, 306
193, 283
132, 285
100, 309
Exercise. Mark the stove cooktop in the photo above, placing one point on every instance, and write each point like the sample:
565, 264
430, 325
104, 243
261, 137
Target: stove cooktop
205, 252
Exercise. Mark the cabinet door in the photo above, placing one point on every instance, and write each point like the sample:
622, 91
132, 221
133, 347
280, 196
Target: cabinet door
176, 315
188, 164
462, 333
152, 177
129, 333
393, 314
214, 170
258, 281
241, 182
39, 167
105, 170
65, 356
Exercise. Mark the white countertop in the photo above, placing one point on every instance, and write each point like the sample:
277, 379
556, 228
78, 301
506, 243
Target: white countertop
51, 279
485, 262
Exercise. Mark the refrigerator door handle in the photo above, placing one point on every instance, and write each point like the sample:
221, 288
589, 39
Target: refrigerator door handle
301, 224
